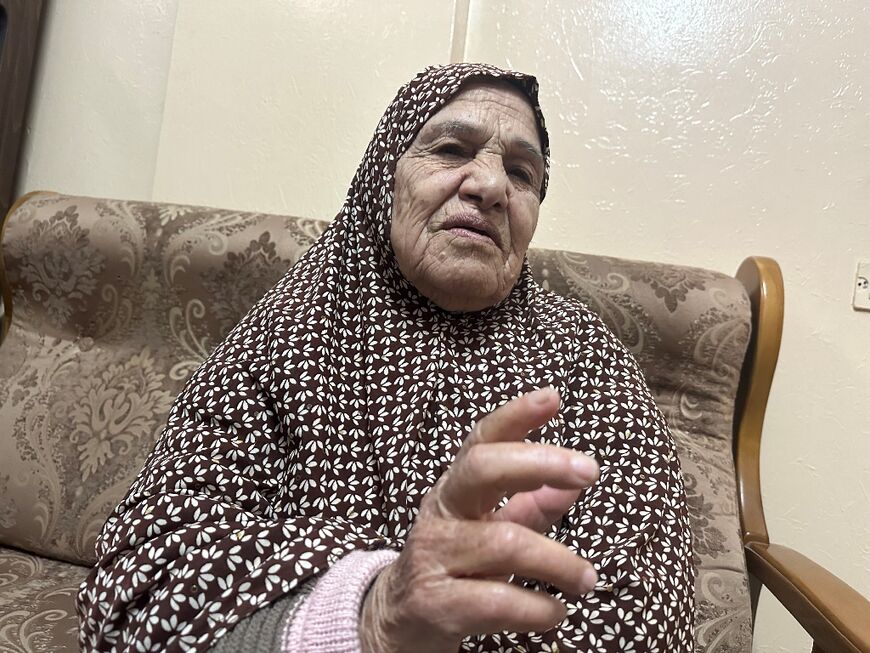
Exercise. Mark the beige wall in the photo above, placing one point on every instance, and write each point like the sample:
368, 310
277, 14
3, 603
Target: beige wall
272, 109
682, 130
97, 107
687, 132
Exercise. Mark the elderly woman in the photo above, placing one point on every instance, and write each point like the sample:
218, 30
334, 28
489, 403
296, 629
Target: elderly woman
395, 450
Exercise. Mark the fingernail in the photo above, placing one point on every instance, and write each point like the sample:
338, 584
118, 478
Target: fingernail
588, 580
541, 395
585, 467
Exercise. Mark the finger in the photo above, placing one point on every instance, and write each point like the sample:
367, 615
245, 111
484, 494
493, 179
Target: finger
538, 509
513, 420
499, 549
486, 606
476, 483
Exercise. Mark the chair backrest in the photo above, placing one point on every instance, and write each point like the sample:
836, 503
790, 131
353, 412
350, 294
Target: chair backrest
114, 303
689, 329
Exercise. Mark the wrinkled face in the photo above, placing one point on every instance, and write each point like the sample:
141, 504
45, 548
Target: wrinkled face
466, 198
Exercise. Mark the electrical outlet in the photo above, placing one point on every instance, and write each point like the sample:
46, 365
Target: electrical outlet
861, 298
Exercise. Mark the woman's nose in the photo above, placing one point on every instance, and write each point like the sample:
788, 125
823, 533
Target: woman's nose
486, 184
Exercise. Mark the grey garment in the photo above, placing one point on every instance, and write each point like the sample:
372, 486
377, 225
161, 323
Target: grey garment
263, 631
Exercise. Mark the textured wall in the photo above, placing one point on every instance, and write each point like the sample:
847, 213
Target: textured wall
683, 130
97, 105
699, 131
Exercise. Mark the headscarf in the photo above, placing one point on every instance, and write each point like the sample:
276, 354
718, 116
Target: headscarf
331, 409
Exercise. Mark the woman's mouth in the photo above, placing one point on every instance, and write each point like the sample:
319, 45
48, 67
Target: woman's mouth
472, 227
464, 232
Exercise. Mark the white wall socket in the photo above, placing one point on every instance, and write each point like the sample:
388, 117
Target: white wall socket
861, 298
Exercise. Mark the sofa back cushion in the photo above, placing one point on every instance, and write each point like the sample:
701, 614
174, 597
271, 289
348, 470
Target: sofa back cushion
689, 329
116, 303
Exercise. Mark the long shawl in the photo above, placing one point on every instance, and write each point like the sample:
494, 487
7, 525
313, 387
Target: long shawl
326, 415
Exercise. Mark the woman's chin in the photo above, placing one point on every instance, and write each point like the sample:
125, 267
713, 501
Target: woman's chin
460, 293
461, 281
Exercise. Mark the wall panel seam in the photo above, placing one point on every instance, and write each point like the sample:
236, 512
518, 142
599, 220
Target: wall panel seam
459, 30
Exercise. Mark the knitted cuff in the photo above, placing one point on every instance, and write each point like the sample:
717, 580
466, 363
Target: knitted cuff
328, 620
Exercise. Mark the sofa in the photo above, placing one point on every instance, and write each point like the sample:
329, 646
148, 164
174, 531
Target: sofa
109, 305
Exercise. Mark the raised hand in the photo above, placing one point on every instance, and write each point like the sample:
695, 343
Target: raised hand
450, 580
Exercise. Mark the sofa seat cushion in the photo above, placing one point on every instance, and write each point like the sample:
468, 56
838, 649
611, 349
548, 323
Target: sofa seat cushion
37, 603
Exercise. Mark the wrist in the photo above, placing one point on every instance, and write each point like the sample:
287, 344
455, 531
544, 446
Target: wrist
373, 617
384, 629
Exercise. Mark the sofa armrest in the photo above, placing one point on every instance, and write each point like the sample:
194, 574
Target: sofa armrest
835, 615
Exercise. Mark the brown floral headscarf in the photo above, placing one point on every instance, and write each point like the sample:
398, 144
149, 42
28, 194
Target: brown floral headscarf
325, 416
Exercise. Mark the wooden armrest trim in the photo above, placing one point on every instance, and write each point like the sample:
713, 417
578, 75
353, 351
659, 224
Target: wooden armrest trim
835, 615
762, 279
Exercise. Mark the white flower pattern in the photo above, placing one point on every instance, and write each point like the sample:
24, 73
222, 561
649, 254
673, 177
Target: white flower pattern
325, 416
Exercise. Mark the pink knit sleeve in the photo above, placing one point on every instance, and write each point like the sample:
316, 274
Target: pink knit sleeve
328, 620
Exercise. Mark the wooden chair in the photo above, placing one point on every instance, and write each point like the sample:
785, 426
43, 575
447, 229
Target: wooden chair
835, 615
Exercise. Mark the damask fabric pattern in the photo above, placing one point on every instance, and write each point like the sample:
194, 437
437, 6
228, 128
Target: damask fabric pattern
114, 305
689, 329
317, 426
37, 609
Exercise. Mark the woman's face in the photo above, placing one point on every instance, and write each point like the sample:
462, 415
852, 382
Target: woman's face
466, 198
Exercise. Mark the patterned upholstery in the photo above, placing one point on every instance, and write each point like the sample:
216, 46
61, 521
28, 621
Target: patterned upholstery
115, 303
689, 329
36, 603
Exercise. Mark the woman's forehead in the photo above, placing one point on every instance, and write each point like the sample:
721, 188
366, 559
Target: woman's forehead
480, 108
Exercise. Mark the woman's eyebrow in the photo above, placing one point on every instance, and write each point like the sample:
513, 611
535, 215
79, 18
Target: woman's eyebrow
530, 149
463, 129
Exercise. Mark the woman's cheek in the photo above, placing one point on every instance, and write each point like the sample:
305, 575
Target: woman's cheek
522, 231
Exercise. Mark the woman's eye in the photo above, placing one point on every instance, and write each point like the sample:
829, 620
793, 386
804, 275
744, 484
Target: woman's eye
451, 149
522, 174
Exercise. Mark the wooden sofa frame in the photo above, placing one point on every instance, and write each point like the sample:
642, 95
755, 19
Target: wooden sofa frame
835, 615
